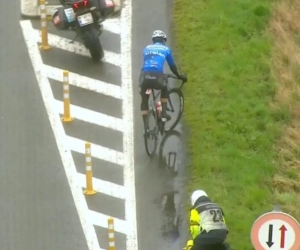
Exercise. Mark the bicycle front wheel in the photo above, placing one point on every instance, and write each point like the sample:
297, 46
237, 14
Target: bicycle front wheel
175, 108
151, 137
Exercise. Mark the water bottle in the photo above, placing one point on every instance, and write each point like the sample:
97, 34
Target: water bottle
158, 108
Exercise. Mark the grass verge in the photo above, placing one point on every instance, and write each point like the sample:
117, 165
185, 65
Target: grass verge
242, 104
285, 29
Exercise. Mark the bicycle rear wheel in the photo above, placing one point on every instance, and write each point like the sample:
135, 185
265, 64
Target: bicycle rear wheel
175, 108
151, 138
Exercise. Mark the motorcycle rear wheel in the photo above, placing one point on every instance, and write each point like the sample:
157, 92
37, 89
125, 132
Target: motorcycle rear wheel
94, 45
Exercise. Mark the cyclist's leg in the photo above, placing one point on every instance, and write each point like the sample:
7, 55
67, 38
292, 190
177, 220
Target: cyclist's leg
144, 103
164, 98
210, 241
161, 84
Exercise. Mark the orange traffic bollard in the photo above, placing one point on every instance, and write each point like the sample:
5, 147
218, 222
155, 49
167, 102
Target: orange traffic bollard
67, 113
88, 169
111, 234
44, 31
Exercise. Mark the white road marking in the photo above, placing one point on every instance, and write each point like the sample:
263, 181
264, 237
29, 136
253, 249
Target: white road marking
85, 82
125, 159
75, 47
128, 142
90, 116
113, 25
98, 151
99, 219
59, 133
104, 187
30, 8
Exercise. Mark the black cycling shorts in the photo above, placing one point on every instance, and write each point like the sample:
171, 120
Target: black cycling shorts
213, 240
152, 80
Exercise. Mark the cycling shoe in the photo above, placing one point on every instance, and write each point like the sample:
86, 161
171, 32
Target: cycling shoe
166, 118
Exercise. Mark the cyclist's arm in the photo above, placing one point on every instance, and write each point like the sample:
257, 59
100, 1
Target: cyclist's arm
143, 59
194, 217
222, 212
189, 245
223, 215
171, 63
194, 223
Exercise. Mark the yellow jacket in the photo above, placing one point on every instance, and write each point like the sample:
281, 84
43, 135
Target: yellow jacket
212, 219
194, 223
194, 227
189, 244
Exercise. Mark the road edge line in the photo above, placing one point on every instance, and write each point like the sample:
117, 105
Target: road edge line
128, 136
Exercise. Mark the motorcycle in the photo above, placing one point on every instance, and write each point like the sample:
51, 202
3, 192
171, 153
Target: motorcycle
83, 17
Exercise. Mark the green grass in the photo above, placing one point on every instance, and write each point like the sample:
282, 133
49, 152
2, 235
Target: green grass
224, 48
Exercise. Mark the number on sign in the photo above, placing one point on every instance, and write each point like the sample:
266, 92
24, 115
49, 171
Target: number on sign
217, 215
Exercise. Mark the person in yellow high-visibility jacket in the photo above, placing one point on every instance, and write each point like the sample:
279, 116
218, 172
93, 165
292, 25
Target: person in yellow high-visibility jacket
207, 224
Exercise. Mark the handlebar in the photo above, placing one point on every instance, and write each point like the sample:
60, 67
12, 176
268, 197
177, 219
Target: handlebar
175, 77
171, 76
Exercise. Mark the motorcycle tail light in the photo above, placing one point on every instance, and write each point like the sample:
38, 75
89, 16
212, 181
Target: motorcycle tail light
78, 4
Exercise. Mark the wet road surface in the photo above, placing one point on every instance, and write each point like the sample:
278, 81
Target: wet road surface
161, 212
160, 183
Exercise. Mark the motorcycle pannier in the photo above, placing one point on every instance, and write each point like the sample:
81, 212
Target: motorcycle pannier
106, 7
63, 18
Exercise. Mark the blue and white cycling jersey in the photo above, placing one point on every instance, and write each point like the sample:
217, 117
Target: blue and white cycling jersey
155, 56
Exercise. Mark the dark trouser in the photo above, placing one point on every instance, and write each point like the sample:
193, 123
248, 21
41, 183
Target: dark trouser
152, 80
213, 240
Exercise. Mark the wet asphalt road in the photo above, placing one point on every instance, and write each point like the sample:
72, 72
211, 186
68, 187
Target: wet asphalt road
36, 206
159, 190
161, 224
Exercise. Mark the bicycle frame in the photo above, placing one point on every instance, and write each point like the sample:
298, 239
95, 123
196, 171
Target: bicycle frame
155, 110
153, 106
155, 96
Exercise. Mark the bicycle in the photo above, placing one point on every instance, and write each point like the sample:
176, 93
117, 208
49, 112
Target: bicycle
155, 109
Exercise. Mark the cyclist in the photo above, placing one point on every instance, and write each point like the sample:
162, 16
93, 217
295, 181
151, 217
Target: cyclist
207, 224
152, 76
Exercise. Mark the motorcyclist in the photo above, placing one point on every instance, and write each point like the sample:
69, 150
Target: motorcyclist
207, 224
154, 57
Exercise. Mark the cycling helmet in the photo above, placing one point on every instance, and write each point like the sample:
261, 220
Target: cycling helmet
196, 195
159, 35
